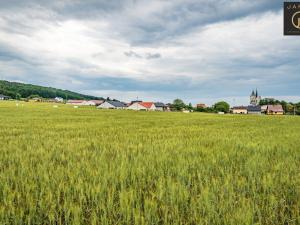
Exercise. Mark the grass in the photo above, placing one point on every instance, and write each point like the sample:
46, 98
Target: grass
87, 166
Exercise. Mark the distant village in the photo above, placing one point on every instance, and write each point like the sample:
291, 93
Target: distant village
255, 107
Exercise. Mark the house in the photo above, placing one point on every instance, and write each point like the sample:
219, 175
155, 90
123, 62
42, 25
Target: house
160, 106
76, 102
254, 109
58, 99
264, 108
85, 102
89, 103
201, 106
275, 110
145, 106
81, 102
4, 97
239, 110
168, 107
96, 102
112, 105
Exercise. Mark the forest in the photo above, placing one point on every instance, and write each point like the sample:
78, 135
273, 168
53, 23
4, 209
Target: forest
19, 90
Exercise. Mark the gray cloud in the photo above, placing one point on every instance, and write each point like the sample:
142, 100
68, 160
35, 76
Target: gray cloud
147, 55
153, 55
142, 21
132, 54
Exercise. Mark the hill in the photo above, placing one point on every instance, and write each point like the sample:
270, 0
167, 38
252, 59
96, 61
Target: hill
21, 90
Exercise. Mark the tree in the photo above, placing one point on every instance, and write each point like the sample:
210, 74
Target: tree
190, 107
178, 104
222, 107
270, 101
33, 96
289, 108
18, 96
207, 109
26, 90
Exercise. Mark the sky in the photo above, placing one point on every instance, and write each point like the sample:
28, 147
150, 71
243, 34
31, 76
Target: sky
154, 50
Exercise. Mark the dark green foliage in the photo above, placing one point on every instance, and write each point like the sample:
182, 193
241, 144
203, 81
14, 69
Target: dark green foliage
207, 110
222, 107
178, 105
20, 90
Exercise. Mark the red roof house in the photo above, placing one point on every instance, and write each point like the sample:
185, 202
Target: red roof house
142, 106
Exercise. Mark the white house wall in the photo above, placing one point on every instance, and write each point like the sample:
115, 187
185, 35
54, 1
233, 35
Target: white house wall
136, 106
152, 108
159, 109
89, 103
106, 105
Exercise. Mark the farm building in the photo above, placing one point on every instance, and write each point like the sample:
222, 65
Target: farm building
254, 109
239, 110
4, 97
275, 110
112, 105
145, 106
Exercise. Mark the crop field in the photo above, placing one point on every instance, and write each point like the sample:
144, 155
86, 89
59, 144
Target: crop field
86, 166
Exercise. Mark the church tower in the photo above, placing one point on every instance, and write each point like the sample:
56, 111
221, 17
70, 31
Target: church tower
254, 98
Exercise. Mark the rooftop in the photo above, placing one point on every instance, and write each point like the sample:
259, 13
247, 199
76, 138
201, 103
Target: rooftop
146, 104
239, 107
159, 104
254, 108
116, 104
275, 108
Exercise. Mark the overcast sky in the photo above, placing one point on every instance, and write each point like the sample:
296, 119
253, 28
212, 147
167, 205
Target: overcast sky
200, 51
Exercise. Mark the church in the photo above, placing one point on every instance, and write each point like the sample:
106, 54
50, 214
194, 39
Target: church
254, 98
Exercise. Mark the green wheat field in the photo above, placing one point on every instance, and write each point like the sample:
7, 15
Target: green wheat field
87, 166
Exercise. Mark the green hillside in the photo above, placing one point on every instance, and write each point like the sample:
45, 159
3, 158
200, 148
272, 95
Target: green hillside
20, 90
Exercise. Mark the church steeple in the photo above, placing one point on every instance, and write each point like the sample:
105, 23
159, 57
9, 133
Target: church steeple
254, 98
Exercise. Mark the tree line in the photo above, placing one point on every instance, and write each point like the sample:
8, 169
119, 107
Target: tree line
179, 105
19, 90
222, 106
